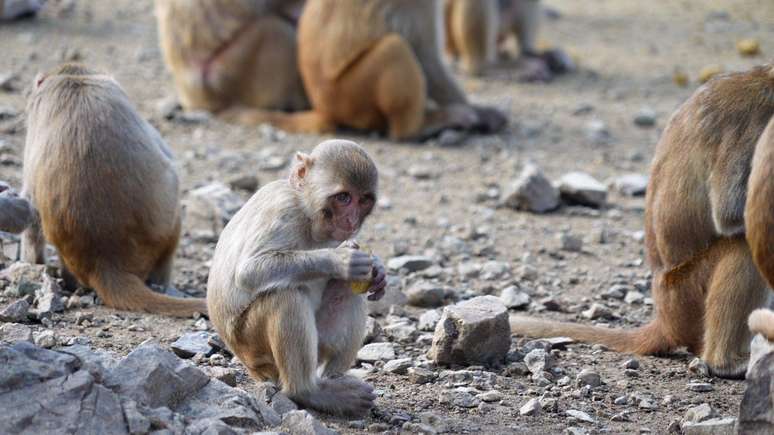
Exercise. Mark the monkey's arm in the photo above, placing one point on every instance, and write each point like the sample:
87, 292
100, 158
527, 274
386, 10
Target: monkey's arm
273, 270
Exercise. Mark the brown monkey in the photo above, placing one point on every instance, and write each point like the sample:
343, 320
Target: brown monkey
279, 291
709, 228
376, 65
761, 321
106, 193
233, 54
476, 28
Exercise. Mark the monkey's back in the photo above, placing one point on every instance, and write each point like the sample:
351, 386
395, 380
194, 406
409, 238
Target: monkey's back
100, 176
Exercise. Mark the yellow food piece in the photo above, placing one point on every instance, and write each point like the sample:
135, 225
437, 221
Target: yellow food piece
748, 47
680, 78
359, 287
708, 72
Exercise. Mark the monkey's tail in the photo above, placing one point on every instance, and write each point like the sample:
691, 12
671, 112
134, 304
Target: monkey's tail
646, 340
125, 291
758, 211
293, 122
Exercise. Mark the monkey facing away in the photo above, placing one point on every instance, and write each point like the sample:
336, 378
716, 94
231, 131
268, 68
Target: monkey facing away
476, 29
279, 291
377, 65
103, 189
229, 55
709, 227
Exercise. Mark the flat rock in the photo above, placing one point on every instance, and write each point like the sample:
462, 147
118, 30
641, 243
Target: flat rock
531, 191
428, 320
475, 331
425, 294
631, 184
412, 263
580, 416
15, 312
514, 298
232, 406
399, 366
715, 426
192, 343
376, 352
532, 407
581, 188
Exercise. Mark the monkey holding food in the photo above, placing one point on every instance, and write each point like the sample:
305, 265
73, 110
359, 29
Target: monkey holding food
709, 228
104, 191
477, 29
280, 291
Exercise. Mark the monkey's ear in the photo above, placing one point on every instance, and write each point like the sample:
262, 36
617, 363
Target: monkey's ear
301, 166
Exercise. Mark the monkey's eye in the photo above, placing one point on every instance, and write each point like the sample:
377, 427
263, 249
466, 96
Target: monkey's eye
343, 198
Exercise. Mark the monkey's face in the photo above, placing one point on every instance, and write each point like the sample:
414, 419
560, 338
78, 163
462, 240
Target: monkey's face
345, 212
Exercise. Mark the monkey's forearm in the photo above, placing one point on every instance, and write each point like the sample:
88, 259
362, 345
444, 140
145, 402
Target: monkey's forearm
274, 270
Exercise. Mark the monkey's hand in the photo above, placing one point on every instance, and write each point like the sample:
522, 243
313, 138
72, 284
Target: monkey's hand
352, 264
378, 280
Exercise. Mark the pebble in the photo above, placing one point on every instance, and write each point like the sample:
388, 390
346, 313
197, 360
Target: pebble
631, 363
532, 407
597, 132
514, 298
531, 191
399, 366
538, 361
425, 294
700, 387
413, 263
13, 332
581, 188
748, 47
580, 415
698, 367
631, 184
616, 292
589, 377
15, 312
45, 339
646, 117
596, 311
491, 396
373, 352
192, 343
569, 242
428, 320
421, 375
634, 297
699, 413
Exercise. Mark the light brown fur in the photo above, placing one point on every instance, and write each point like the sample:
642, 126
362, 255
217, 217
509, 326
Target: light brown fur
278, 291
102, 181
709, 227
236, 58
376, 65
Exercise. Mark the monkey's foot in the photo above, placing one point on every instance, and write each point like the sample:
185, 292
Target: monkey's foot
542, 67
728, 368
20, 8
343, 395
490, 120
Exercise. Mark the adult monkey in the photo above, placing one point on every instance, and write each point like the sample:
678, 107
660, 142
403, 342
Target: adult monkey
232, 55
279, 291
476, 28
104, 191
709, 228
377, 65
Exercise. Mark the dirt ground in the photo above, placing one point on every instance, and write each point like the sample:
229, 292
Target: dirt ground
627, 52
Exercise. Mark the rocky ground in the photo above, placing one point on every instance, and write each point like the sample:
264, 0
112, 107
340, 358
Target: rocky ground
456, 205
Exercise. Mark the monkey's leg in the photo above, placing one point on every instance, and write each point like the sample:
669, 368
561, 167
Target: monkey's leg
473, 27
161, 274
280, 328
525, 20
33, 243
735, 289
341, 322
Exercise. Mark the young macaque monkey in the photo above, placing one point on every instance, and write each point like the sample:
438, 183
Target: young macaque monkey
232, 55
106, 193
709, 228
280, 288
377, 65
475, 30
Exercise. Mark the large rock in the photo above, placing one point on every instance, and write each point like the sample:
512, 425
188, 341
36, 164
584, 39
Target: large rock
581, 188
531, 191
229, 405
756, 412
475, 331
209, 208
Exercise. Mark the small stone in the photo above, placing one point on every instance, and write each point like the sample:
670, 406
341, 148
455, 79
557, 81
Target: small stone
46, 339
700, 387
167, 108
596, 311
538, 361
699, 413
450, 137
646, 117
399, 366
217, 360
303, 423
194, 116
708, 72
756, 415
581, 188
634, 297
698, 367
463, 399
87, 300
192, 343
616, 292
226, 375
15, 312
413, 263
748, 47
569, 242
428, 320
48, 298
631, 363
550, 303
532, 407
531, 191
580, 416
631, 184
621, 400
14, 332
402, 331
715, 426
422, 172
589, 377
376, 352
680, 78
559, 342
247, 183
476, 331
209, 208
514, 298
425, 294
491, 396
420, 375
8, 112
597, 132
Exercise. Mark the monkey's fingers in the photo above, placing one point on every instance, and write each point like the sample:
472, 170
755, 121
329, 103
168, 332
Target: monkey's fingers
375, 296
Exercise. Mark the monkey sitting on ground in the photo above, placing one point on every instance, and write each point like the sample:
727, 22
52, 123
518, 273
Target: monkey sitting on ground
229, 55
475, 30
376, 65
104, 189
279, 288
709, 228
